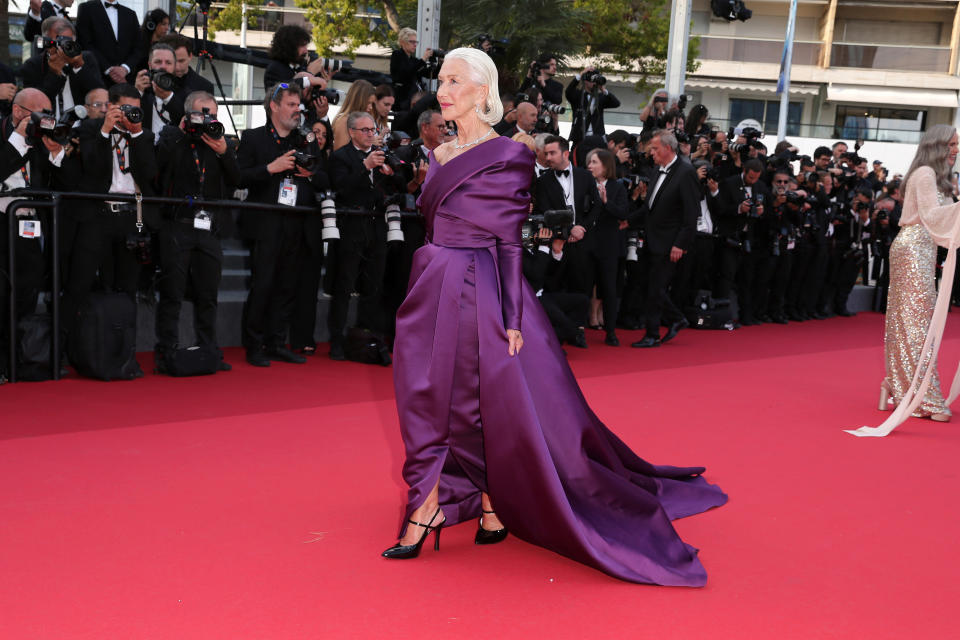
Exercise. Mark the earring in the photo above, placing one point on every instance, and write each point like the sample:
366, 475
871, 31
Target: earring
476, 108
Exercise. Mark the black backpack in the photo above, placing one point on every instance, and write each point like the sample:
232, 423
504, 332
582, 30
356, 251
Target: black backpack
104, 338
708, 312
192, 361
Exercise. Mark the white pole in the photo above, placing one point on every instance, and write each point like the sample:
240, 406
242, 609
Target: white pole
677, 48
247, 72
428, 27
785, 66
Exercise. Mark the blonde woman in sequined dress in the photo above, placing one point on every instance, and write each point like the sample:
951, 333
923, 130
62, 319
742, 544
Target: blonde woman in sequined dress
926, 222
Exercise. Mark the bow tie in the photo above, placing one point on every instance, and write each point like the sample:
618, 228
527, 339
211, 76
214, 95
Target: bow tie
664, 171
109, 5
543, 171
563, 172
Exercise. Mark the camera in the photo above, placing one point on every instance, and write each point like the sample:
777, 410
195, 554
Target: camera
754, 205
794, 198
42, 123
132, 112
553, 108
559, 221
859, 206
497, 47
334, 65
332, 95
305, 161
164, 80
394, 229
594, 77
198, 123
633, 246
681, 136
69, 46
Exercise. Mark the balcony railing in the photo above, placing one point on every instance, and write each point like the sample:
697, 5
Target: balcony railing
891, 57
756, 50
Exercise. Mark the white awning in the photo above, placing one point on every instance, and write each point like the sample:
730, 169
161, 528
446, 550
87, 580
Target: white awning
892, 96
746, 85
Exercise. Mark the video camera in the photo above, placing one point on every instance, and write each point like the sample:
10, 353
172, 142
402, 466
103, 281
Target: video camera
559, 221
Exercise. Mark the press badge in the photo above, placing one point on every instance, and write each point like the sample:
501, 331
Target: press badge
29, 228
202, 220
288, 193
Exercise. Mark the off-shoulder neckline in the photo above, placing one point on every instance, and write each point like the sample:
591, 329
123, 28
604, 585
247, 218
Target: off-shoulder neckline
467, 152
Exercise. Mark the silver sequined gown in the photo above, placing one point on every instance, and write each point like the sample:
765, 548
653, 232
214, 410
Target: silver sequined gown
913, 258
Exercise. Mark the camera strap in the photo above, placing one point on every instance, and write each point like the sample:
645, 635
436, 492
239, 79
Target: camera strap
139, 197
201, 168
121, 151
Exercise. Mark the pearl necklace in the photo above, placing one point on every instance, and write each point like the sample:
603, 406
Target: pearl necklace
470, 144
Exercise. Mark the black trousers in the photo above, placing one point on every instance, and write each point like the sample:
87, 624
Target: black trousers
659, 308
567, 312
30, 268
275, 261
777, 296
100, 246
594, 267
303, 319
189, 259
765, 265
360, 259
694, 271
842, 273
727, 266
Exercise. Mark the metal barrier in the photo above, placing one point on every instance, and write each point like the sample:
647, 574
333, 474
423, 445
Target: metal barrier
27, 200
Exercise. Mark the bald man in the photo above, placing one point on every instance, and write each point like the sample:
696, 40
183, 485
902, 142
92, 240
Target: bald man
526, 118
35, 161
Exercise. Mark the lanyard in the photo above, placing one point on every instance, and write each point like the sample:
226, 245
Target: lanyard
159, 110
121, 152
201, 169
25, 174
276, 136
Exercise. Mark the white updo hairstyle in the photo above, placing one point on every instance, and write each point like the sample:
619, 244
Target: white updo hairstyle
484, 72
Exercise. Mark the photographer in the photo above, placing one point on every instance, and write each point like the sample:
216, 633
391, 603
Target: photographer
540, 75
507, 124
363, 179
195, 160
654, 110
406, 70
695, 271
313, 97
886, 224
63, 72
546, 267
290, 53
778, 247
810, 255
28, 158
117, 156
588, 103
278, 166
850, 222
161, 105
188, 80
38, 12
741, 204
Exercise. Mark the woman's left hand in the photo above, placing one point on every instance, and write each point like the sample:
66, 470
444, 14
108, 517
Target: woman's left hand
516, 341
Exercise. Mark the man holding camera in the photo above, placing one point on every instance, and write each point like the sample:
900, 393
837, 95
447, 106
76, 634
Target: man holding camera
278, 165
28, 158
363, 179
588, 103
846, 251
195, 160
188, 80
61, 70
112, 33
540, 76
38, 12
741, 201
156, 86
117, 156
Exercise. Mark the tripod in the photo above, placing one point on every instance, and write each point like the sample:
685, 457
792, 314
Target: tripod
202, 7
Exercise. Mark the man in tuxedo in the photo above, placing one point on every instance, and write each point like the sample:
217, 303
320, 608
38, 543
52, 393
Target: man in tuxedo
117, 157
188, 80
270, 172
670, 222
161, 107
40, 11
112, 32
190, 253
362, 179
588, 103
740, 205
27, 162
66, 81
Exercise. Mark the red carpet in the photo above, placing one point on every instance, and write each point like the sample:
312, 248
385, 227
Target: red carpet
254, 504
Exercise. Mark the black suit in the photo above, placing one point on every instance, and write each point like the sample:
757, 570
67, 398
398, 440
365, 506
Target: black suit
278, 71
278, 236
193, 81
551, 90
31, 28
37, 74
670, 220
580, 102
405, 71
360, 254
189, 254
170, 114
566, 310
95, 34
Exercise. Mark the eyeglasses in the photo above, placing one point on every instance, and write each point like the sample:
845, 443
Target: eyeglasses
97, 105
367, 130
280, 87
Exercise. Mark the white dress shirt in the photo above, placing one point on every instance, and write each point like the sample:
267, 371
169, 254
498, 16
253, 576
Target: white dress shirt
121, 182
661, 177
15, 180
566, 183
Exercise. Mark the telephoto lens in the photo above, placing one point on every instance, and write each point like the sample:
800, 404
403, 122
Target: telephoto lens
633, 244
394, 232
328, 216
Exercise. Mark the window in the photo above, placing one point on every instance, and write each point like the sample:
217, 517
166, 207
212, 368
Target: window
880, 124
767, 113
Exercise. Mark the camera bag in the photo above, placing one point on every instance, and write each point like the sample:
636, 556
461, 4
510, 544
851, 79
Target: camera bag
192, 361
367, 347
34, 340
708, 312
104, 338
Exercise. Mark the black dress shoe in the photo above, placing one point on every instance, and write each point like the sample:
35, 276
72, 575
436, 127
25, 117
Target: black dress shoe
816, 315
674, 329
336, 351
224, 366
285, 355
780, 319
611, 340
258, 358
846, 313
580, 340
647, 342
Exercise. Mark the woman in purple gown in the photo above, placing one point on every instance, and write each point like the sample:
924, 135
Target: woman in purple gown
492, 416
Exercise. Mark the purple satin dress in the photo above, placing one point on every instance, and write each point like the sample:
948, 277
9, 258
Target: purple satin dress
477, 419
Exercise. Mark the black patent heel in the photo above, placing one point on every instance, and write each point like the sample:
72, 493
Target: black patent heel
489, 537
406, 551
